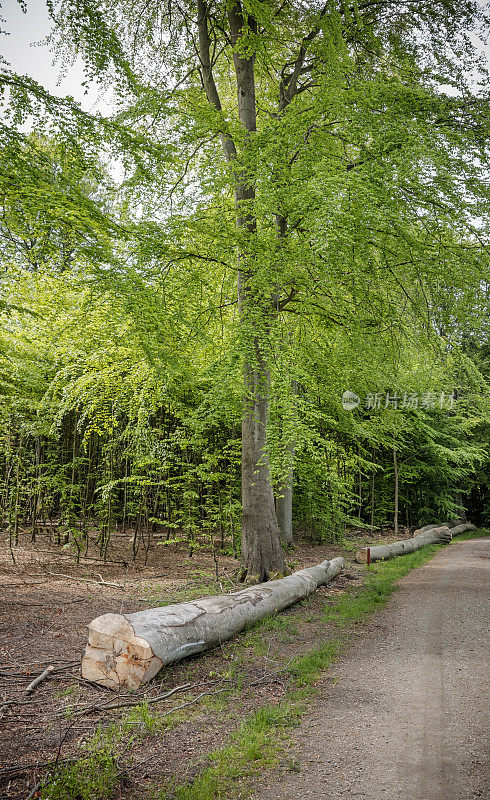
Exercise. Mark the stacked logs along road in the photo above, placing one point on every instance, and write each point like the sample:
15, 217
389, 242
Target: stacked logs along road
129, 649
125, 650
429, 534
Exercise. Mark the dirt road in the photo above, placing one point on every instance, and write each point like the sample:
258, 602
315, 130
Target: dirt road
405, 716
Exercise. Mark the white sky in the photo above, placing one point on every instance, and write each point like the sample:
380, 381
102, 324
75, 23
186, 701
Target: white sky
20, 50
26, 57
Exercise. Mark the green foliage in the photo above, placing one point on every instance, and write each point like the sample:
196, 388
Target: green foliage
122, 347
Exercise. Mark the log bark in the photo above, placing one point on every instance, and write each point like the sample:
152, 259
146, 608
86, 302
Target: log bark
384, 551
125, 650
457, 526
461, 527
429, 528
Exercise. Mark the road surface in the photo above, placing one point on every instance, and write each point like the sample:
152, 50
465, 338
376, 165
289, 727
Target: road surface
406, 715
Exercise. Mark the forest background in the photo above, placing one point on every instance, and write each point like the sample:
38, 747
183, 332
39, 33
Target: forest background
285, 202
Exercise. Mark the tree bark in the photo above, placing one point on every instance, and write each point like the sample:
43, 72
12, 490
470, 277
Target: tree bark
372, 498
429, 527
284, 508
461, 528
284, 495
262, 555
395, 468
457, 526
129, 649
385, 551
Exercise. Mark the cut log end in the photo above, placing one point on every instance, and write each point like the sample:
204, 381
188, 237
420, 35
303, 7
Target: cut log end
115, 657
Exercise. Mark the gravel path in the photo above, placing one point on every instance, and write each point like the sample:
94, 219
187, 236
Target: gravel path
405, 717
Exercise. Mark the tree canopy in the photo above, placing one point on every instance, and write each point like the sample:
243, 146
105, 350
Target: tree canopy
288, 201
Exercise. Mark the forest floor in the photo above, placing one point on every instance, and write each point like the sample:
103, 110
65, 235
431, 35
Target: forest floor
131, 745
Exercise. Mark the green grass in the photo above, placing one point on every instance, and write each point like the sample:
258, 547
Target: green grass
95, 774
144, 719
283, 626
306, 668
256, 744
379, 585
480, 533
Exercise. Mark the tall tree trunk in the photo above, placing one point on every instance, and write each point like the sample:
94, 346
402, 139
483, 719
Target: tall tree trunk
395, 466
262, 554
284, 507
17, 496
359, 477
371, 520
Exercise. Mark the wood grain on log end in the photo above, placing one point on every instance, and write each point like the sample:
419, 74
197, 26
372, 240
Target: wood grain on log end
115, 656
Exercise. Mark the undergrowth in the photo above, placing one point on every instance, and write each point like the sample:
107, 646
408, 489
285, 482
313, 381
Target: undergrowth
253, 746
95, 773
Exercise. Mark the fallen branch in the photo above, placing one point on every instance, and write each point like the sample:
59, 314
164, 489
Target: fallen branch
110, 705
40, 678
102, 582
4, 707
20, 769
129, 649
57, 604
75, 557
34, 790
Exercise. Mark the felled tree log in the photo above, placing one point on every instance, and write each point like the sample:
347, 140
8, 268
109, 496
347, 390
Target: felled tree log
458, 526
430, 527
384, 551
461, 528
129, 649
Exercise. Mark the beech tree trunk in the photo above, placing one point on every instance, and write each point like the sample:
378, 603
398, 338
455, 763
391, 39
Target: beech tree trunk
384, 551
262, 555
125, 650
284, 496
395, 468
